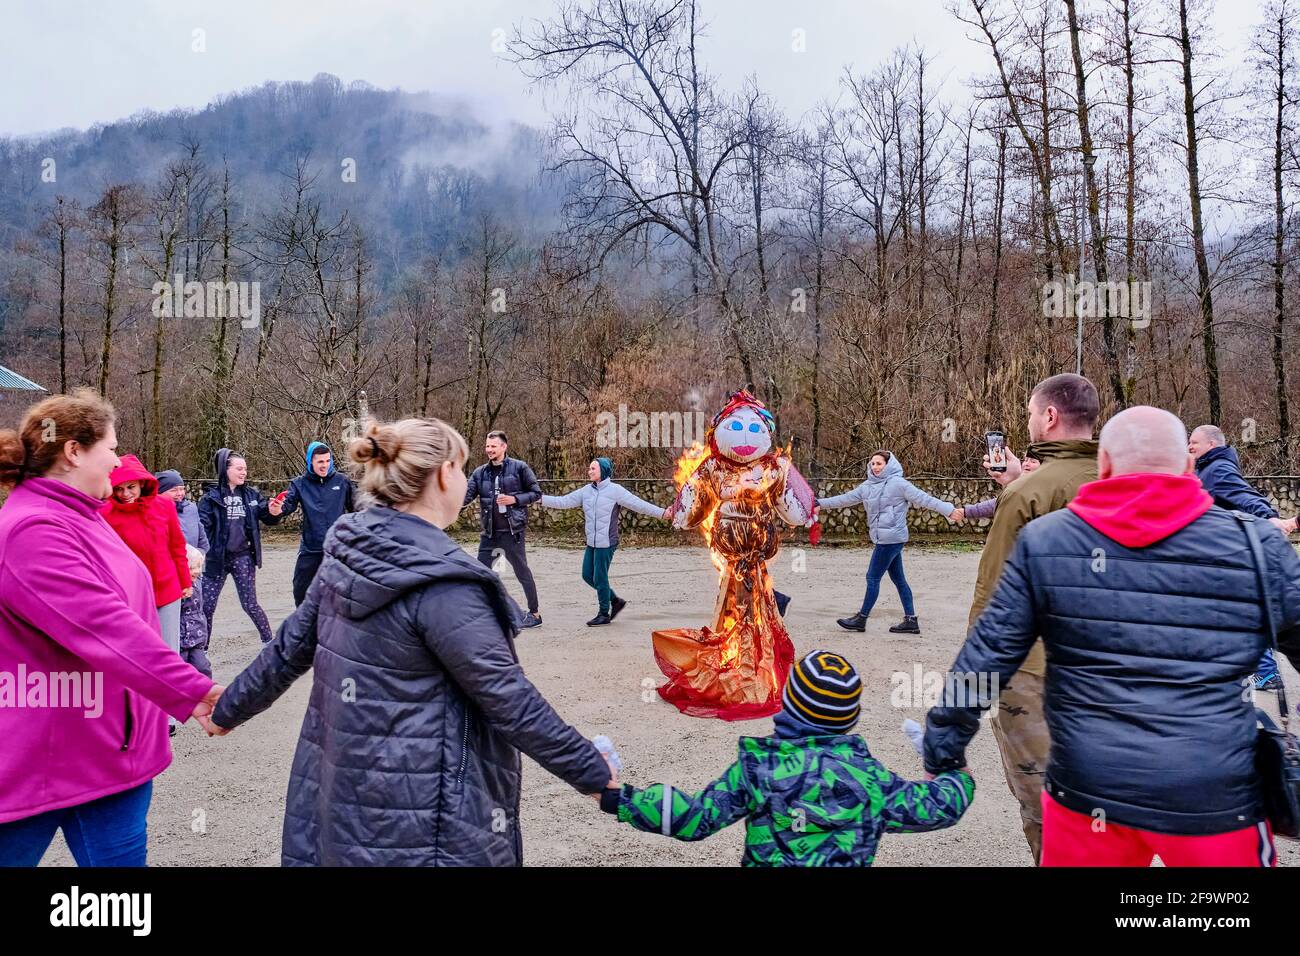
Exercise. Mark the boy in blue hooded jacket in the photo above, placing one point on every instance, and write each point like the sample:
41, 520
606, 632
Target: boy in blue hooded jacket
324, 494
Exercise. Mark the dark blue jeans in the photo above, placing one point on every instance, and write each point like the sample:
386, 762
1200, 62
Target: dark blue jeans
110, 831
887, 559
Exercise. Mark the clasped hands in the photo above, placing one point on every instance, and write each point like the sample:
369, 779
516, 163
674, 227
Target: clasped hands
203, 711
613, 783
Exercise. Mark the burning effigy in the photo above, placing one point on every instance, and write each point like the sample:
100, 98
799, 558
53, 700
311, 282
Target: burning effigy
738, 489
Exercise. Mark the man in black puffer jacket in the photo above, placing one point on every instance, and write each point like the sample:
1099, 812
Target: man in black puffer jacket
505, 487
1219, 469
1147, 600
409, 751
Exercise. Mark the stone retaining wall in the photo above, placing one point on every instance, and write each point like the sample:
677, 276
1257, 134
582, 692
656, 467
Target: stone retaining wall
1283, 492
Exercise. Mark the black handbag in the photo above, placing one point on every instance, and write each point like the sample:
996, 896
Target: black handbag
1277, 752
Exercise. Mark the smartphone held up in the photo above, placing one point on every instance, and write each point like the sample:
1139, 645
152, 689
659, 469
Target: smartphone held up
997, 450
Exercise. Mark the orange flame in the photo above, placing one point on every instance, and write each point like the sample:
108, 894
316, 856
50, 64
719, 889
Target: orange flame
687, 465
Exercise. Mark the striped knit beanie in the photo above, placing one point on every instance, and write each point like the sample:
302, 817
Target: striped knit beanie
823, 692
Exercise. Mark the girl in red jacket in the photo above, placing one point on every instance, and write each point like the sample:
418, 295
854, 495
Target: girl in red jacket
149, 527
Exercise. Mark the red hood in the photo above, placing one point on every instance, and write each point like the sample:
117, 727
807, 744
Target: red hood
1141, 509
131, 470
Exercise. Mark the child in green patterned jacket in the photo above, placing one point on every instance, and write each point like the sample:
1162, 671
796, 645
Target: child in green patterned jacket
811, 794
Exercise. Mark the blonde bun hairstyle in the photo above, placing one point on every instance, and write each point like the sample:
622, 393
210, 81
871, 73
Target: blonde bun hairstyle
398, 459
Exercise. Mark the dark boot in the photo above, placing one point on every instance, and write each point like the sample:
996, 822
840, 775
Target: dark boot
615, 605
782, 602
858, 622
909, 625
601, 618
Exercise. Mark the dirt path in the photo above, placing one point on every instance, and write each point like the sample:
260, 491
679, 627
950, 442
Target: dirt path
222, 801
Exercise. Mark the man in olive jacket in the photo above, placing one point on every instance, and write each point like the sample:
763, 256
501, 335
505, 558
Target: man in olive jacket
1063, 413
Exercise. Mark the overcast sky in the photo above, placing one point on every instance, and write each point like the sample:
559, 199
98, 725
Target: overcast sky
80, 62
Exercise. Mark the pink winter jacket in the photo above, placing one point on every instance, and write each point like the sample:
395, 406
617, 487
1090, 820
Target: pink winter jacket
74, 600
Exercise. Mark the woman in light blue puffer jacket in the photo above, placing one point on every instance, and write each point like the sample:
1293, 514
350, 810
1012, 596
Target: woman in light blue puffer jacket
601, 501
887, 496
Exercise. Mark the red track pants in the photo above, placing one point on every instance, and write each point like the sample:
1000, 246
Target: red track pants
1076, 839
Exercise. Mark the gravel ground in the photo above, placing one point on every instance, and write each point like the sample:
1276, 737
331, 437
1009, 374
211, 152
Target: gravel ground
222, 800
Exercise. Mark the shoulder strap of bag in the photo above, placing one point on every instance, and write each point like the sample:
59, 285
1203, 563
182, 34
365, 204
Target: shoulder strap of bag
1257, 555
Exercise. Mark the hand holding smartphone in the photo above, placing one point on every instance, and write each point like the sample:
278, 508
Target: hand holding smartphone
997, 448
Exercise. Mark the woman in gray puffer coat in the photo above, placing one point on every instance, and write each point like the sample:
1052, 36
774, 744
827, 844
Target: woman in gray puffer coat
887, 496
409, 751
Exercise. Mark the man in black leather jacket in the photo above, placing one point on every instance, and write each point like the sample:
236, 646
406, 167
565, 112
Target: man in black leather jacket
505, 487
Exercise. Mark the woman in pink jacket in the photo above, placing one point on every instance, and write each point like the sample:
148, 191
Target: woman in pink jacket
86, 682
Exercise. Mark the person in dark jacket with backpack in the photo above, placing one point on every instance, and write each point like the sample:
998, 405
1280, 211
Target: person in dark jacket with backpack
232, 513
1149, 600
505, 487
324, 495
409, 751
1219, 469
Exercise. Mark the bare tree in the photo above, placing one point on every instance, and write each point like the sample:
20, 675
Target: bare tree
1096, 236
651, 141
169, 215
1273, 47
112, 221
59, 228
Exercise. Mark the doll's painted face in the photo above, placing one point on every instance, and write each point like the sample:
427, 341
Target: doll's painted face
743, 436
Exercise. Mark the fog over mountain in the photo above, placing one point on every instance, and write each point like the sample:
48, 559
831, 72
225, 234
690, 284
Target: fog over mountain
418, 168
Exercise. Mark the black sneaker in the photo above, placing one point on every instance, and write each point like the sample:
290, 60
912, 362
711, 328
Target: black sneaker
908, 625
171, 731
616, 605
599, 619
531, 619
858, 622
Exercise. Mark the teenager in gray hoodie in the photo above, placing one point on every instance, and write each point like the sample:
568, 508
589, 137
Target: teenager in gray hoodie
601, 501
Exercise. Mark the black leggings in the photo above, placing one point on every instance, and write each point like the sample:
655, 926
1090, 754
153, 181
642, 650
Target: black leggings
243, 569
